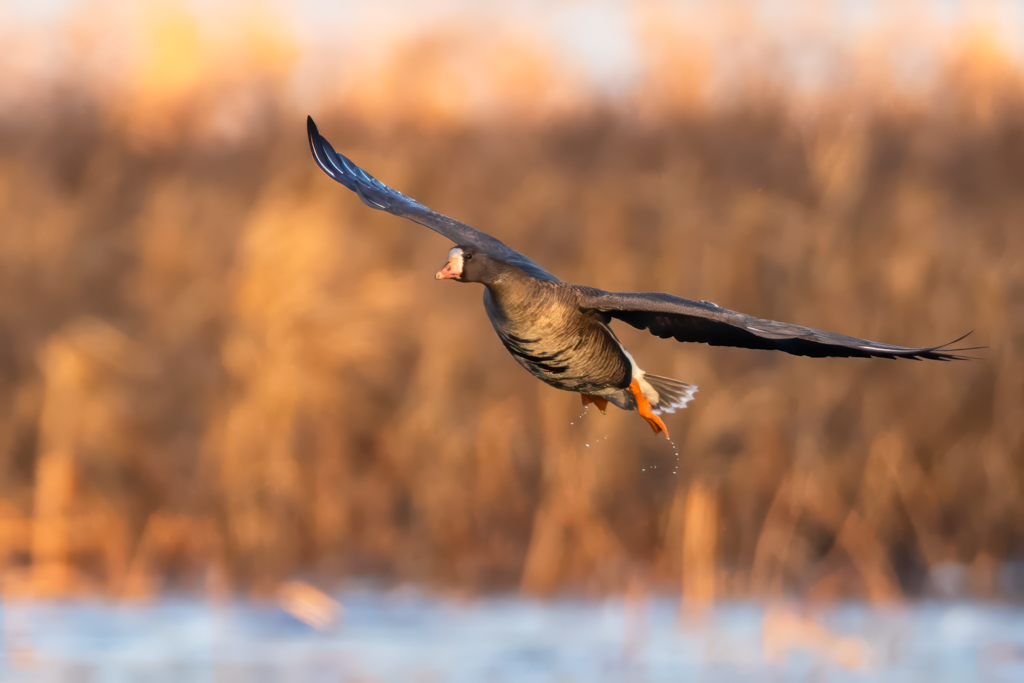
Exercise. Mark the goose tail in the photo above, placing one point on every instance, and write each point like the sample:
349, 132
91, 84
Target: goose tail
672, 394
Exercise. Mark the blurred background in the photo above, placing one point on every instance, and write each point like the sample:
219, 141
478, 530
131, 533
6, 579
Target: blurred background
225, 378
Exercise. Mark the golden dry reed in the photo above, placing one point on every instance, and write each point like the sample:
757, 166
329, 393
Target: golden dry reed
221, 370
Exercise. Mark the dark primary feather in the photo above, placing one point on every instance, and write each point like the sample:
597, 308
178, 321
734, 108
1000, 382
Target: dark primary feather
699, 321
377, 195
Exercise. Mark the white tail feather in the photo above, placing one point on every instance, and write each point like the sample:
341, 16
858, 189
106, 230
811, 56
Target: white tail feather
671, 394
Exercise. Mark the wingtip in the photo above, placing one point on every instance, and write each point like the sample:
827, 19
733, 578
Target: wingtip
319, 148
953, 354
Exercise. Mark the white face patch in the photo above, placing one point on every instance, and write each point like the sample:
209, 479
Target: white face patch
456, 253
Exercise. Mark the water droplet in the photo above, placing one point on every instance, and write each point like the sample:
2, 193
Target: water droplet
675, 470
588, 445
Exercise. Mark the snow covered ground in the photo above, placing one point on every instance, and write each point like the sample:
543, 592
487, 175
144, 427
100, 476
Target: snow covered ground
407, 637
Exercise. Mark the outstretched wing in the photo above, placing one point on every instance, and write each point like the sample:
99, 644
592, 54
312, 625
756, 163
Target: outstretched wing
699, 321
377, 195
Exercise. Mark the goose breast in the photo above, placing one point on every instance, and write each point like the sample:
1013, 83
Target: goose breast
548, 335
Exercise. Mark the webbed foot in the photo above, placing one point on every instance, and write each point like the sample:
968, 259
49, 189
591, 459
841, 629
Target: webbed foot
601, 403
643, 406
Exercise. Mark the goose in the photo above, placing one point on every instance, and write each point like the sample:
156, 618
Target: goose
561, 332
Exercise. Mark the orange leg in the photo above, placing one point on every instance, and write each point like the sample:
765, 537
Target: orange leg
643, 406
601, 403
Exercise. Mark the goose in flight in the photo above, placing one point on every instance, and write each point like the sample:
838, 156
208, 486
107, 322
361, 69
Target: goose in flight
560, 332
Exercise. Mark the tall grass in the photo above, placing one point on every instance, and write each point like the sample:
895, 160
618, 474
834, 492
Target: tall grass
221, 369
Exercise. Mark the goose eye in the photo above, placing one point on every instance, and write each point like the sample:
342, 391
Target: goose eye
467, 257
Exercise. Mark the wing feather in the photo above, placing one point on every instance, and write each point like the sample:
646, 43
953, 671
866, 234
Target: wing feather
377, 195
669, 316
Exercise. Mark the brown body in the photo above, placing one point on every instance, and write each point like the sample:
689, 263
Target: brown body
542, 326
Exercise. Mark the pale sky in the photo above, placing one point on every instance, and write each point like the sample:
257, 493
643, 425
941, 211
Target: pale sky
599, 39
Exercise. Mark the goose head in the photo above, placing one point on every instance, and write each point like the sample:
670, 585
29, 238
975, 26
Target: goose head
469, 264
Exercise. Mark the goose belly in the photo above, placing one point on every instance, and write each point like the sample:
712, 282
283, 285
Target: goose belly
584, 358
